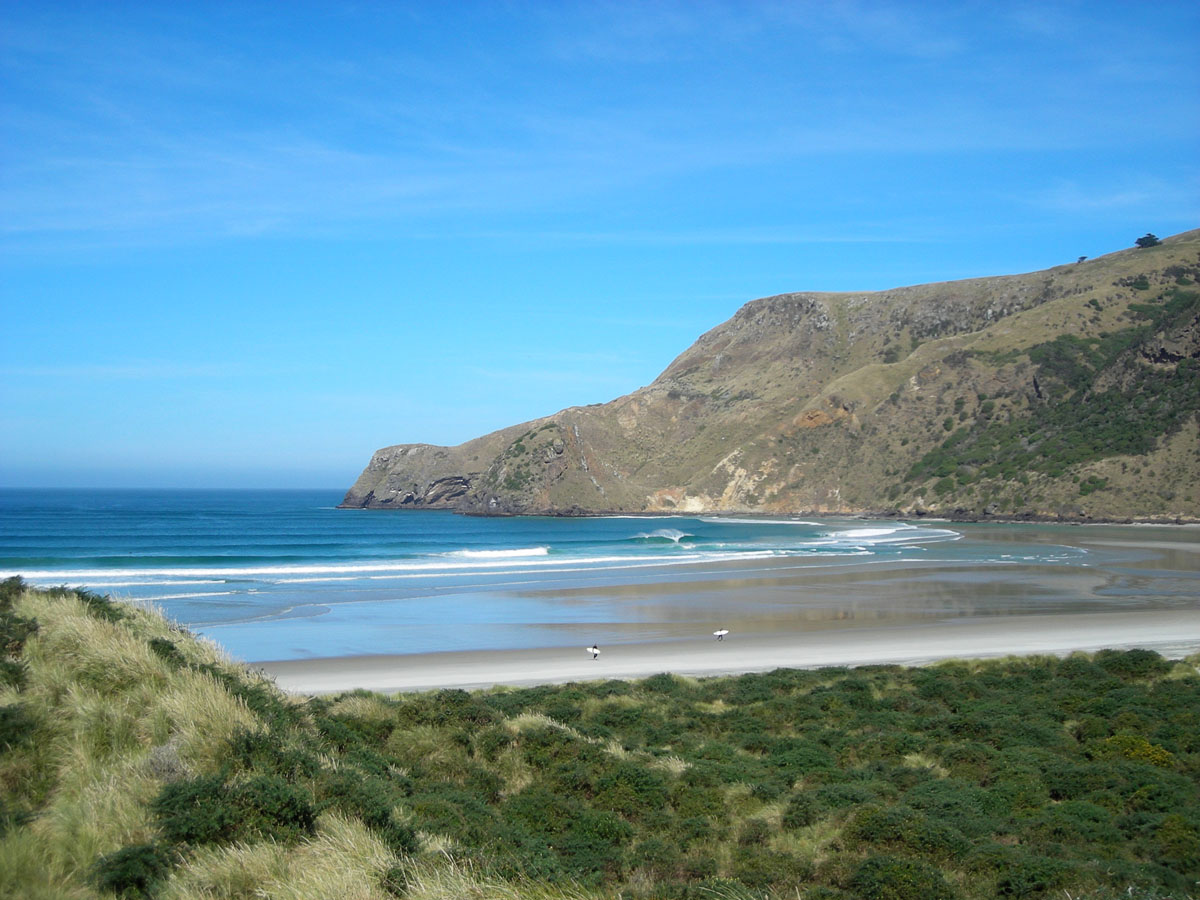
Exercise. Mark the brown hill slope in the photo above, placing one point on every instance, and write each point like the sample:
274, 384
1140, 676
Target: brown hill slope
1071, 392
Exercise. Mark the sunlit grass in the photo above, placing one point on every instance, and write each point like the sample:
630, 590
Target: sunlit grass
644, 794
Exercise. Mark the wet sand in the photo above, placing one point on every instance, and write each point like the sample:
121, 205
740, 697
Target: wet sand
1173, 633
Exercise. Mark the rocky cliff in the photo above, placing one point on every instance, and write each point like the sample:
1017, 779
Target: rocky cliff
1068, 393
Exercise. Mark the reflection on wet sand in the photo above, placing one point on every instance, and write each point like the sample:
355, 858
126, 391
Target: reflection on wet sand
1123, 570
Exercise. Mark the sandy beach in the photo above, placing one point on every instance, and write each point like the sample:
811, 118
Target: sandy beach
1173, 633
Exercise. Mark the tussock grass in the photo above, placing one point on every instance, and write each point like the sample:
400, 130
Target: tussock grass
240, 871
428, 744
1080, 772
525, 721
928, 763
515, 772
99, 808
672, 765
204, 716
102, 700
446, 878
345, 860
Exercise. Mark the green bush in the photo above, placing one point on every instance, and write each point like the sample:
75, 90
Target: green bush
543, 746
755, 832
1136, 748
1177, 842
1074, 822
12, 673
758, 867
372, 800
593, 844
491, 742
1026, 875
196, 811
956, 802
272, 808
207, 810
658, 858
265, 751
395, 881
631, 789
10, 589
540, 811
664, 683
96, 605
897, 878
14, 631
168, 652
17, 726
1074, 781
839, 796
969, 760
803, 809
1132, 664
900, 827
796, 758
132, 871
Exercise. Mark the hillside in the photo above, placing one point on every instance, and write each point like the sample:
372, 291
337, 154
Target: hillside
135, 761
1068, 393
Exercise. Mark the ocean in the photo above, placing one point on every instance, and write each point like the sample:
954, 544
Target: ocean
280, 575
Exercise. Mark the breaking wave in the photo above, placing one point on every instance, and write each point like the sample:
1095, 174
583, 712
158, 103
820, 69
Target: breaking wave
515, 553
664, 534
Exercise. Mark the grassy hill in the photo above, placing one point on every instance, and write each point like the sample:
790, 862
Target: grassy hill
1068, 393
135, 760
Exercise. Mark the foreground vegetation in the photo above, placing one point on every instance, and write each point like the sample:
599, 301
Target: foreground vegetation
135, 761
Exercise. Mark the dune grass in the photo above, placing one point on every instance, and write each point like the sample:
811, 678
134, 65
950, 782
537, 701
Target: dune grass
136, 762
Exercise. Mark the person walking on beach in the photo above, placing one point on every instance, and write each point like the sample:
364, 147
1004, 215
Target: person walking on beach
594, 650
720, 634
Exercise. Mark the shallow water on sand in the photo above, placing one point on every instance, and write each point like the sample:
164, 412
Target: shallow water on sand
285, 575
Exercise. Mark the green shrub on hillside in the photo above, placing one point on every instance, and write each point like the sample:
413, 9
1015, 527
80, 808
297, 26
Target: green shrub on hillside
899, 878
208, 810
1119, 406
132, 871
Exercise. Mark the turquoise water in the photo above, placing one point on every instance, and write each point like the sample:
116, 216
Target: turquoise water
284, 574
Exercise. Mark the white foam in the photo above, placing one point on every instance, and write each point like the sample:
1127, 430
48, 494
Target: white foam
464, 562
500, 554
900, 533
191, 596
671, 534
728, 520
857, 533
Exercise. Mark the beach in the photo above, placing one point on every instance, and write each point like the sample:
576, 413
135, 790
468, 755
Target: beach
1173, 633
1078, 589
330, 600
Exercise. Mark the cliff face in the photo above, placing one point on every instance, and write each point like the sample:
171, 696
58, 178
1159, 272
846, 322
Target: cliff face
1071, 392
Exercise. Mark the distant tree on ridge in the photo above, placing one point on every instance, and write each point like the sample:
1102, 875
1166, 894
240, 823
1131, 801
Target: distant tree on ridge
1148, 241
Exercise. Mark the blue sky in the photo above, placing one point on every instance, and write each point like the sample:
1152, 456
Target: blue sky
247, 245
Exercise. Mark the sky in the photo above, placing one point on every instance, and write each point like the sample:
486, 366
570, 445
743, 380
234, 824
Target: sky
247, 245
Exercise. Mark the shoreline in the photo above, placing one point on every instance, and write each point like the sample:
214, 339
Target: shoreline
1173, 633
962, 517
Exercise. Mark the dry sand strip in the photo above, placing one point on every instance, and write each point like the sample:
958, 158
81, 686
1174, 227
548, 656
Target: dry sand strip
1173, 633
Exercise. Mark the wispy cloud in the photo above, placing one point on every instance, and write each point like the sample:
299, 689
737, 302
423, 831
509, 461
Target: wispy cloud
1141, 195
140, 371
157, 132
749, 236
